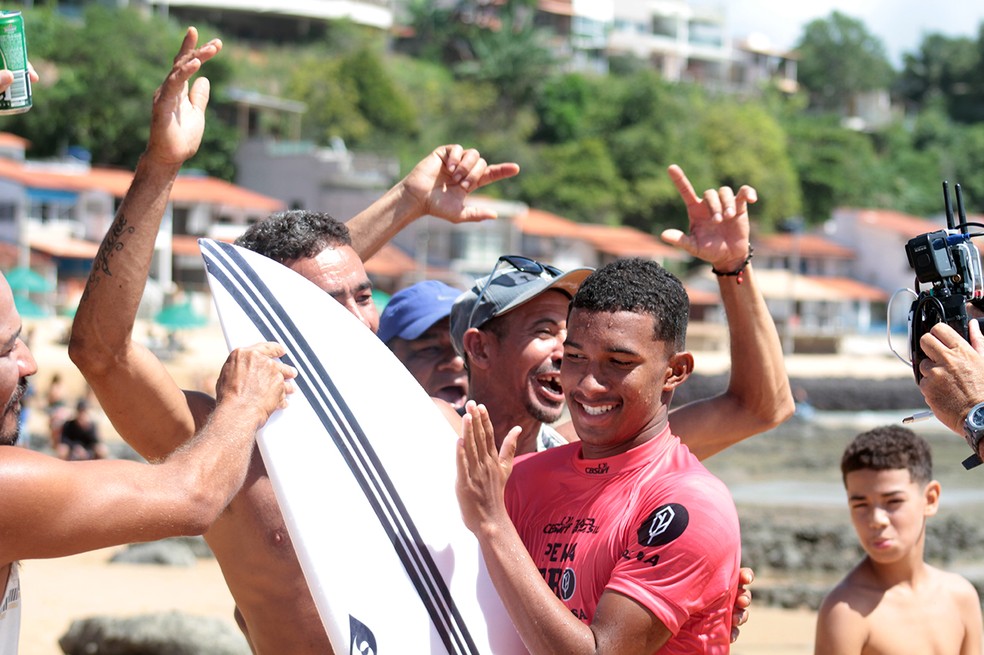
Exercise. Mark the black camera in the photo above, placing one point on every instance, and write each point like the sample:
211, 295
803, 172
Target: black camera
948, 262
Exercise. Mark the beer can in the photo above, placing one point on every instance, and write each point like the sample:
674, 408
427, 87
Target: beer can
13, 57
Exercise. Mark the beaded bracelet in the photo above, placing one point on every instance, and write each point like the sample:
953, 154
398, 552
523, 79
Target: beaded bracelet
737, 273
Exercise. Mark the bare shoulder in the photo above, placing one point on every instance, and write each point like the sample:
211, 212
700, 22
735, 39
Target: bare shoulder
842, 623
956, 585
449, 413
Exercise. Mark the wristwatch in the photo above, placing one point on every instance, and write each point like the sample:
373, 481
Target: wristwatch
974, 427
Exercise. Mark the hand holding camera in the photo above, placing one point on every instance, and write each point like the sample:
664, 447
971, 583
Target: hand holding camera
950, 263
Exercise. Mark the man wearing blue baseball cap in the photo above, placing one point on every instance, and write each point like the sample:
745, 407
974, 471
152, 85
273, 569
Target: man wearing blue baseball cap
414, 326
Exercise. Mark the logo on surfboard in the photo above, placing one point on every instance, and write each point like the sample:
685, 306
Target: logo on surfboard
363, 641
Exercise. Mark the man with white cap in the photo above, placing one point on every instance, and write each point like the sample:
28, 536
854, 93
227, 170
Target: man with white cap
414, 326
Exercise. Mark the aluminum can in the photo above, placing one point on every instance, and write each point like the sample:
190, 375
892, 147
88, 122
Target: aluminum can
13, 56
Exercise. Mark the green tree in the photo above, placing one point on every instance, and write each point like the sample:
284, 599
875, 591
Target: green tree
840, 59
945, 71
353, 97
89, 99
834, 166
514, 57
746, 145
577, 180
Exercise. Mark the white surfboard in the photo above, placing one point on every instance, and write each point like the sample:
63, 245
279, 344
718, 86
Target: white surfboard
363, 467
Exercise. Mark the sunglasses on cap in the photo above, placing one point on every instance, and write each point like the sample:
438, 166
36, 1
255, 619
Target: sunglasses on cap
520, 263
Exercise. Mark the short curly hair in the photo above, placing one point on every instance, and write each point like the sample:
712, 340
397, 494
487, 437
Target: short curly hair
643, 286
295, 234
886, 448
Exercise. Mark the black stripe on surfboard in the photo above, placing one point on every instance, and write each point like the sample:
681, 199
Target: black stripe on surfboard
231, 270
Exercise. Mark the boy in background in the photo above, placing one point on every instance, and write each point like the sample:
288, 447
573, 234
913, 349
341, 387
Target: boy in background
893, 601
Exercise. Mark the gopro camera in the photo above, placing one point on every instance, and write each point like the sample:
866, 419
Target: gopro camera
950, 264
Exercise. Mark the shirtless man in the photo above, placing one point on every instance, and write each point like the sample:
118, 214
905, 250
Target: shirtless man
250, 541
893, 601
54, 508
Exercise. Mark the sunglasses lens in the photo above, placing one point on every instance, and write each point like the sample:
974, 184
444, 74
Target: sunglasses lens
527, 265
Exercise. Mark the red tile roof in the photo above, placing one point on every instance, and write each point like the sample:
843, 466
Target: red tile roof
781, 284
390, 261
187, 188
65, 247
618, 241
809, 245
905, 224
8, 140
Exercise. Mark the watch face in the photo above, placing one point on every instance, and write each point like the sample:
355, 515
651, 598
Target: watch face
976, 417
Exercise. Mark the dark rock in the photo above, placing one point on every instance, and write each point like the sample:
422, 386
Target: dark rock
168, 552
830, 394
170, 633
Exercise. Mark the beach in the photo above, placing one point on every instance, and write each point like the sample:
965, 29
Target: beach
56, 592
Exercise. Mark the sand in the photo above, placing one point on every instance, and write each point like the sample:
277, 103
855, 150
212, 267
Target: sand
56, 592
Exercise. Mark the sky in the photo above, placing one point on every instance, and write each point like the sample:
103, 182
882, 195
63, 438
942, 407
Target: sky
899, 24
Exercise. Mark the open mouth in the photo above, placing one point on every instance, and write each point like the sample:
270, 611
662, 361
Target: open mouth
550, 384
454, 394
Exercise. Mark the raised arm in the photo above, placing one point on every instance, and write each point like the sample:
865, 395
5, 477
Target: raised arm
758, 396
54, 508
138, 395
437, 186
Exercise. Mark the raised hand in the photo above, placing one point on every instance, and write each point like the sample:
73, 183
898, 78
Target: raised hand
482, 470
178, 120
441, 182
718, 232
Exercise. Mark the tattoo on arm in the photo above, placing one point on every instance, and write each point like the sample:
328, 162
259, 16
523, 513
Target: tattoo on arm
110, 245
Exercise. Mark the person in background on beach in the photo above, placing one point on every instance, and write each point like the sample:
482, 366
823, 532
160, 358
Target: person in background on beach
80, 436
953, 380
56, 408
893, 601
621, 543
53, 508
415, 327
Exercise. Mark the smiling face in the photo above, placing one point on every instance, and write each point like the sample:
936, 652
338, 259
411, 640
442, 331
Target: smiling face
339, 271
889, 511
16, 365
617, 378
431, 359
523, 367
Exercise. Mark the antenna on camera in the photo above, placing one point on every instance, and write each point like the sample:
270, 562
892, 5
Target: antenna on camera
946, 205
960, 211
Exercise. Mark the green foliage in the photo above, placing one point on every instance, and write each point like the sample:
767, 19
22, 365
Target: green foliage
945, 71
102, 103
839, 59
578, 180
833, 165
352, 96
592, 147
745, 145
514, 57
88, 99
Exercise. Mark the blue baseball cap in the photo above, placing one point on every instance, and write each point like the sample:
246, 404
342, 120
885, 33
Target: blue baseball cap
412, 310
